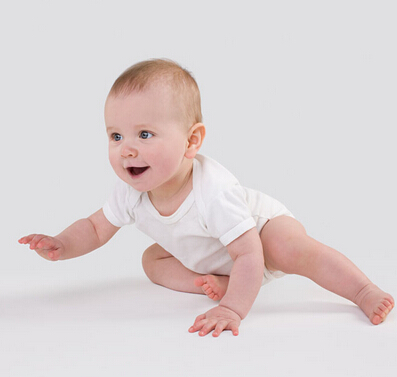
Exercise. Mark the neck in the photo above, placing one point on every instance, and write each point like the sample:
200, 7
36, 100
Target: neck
168, 198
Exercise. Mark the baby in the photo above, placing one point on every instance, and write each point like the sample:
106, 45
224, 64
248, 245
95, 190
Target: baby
212, 235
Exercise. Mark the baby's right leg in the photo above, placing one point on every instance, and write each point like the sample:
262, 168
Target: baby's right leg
164, 269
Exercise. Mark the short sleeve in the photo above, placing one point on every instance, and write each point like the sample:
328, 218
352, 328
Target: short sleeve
228, 215
119, 207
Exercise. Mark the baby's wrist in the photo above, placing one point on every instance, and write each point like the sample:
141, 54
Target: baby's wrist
231, 309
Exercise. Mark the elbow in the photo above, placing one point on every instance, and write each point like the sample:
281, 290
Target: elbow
99, 242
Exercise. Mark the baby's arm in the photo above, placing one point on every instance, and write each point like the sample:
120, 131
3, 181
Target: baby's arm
247, 273
80, 238
244, 284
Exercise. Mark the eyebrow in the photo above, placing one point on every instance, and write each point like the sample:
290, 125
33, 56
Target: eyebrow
111, 129
138, 126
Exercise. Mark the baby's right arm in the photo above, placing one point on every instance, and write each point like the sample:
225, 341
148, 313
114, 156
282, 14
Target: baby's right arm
80, 238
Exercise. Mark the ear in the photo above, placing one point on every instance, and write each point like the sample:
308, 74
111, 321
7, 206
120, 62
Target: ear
196, 136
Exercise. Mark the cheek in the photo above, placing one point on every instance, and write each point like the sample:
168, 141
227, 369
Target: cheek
172, 154
113, 159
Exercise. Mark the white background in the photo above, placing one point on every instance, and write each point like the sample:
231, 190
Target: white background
299, 100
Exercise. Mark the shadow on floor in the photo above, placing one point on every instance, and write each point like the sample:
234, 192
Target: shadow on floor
127, 299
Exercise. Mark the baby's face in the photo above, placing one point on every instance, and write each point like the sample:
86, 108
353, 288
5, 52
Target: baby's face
148, 137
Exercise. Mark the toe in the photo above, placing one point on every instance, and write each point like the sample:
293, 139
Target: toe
199, 281
380, 310
208, 291
380, 313
376, 320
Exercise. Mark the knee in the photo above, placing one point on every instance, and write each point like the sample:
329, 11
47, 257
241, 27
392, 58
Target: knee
281, 254
148, 259
282, 246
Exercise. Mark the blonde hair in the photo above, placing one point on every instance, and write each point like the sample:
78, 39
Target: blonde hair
142, 74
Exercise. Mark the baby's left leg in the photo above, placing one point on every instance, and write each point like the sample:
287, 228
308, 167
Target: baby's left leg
288, 248
164, 269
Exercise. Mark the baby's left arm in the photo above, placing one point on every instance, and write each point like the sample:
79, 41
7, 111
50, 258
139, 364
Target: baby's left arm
244, 284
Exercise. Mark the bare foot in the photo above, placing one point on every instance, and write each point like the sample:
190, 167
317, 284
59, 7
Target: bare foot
375, 303
213, 286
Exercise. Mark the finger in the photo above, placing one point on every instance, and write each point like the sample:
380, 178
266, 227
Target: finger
195, 326
200, 318
198, 325
234, 328
207, 328
42, 242
26, 239
220, 326
53, 255
35, 240
49, 255
46, 243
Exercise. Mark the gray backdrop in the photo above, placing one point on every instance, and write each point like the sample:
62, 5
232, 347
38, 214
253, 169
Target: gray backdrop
299, 101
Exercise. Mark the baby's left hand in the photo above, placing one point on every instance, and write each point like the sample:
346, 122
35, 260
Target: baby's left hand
219, 318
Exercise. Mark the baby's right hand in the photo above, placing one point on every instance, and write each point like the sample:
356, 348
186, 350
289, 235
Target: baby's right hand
47, 247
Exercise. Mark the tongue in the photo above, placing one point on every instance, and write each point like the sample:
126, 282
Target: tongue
137, 171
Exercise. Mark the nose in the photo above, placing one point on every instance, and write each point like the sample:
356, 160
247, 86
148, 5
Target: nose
129, 151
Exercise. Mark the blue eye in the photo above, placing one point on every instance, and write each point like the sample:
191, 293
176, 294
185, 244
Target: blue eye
145, 135
116, 137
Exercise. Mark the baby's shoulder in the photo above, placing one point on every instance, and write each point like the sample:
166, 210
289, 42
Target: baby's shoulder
208, 171
211, 178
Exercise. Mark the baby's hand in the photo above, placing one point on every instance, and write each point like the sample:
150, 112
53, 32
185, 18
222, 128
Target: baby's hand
47, 247
219, 318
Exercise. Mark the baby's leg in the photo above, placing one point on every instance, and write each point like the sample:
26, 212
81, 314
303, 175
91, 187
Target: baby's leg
164, 269
288, 248
214, 286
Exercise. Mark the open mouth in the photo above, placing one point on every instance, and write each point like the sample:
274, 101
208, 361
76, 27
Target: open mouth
135, 172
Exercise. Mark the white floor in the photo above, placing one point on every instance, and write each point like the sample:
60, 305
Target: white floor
116, 326
303, 89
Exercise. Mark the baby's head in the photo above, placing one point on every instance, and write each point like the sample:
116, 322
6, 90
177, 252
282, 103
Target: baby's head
162, 73
153, 121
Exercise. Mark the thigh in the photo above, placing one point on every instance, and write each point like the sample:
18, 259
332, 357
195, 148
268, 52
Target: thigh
154, 252
282, 238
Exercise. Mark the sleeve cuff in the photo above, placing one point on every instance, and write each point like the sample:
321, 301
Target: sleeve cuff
111, 218
237, 231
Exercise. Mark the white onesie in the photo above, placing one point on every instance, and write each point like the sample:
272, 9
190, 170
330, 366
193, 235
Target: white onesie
216, 212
